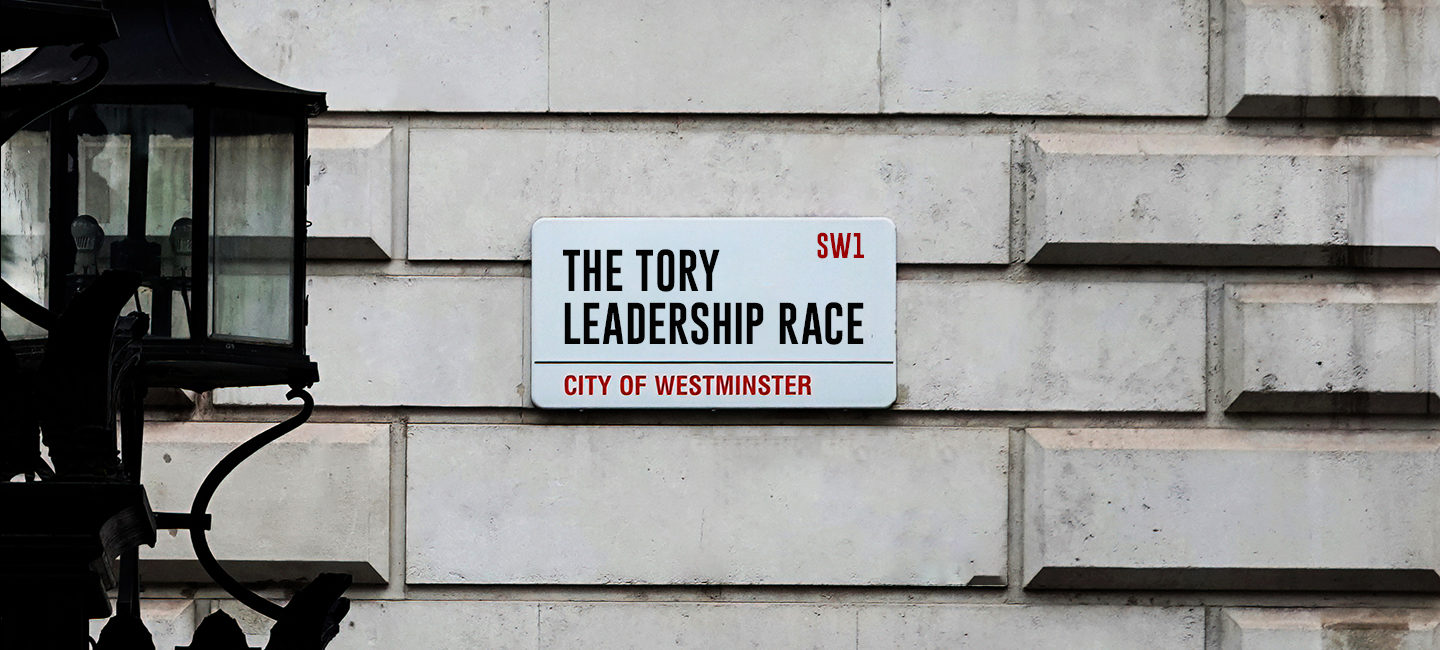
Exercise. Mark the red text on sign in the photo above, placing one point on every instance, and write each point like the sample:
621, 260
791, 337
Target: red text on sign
732, 384
838, 245
587, 384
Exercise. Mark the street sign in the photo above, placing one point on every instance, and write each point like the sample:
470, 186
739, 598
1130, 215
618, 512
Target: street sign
712, 313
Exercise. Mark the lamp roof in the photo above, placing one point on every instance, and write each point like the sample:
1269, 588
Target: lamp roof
167, 50
31, 23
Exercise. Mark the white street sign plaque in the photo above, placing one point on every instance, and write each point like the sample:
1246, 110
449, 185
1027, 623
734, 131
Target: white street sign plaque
712, 313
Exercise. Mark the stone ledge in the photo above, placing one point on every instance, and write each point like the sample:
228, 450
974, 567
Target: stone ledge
1195, 200
263, 530
254, 572
1237, 579
1352, 59
1331, 349
1231, 255
1398, 107
341, 247
1360, 401
1220, 509
349, 195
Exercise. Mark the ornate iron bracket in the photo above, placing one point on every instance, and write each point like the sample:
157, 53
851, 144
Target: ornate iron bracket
207, 489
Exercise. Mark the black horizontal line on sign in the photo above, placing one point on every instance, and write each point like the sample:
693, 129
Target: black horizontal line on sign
752, 363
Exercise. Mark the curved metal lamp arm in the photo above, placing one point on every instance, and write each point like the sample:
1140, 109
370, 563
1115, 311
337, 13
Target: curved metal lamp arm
64, 95
207, 489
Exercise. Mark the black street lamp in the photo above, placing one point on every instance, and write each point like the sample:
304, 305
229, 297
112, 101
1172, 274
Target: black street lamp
183, 166
172, 191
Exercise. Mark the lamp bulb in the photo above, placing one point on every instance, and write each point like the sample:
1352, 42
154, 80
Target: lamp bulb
86, 232
182, 236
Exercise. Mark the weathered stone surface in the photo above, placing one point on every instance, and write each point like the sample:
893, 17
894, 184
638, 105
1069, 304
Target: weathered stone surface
703, 505
24, 240
600, 626
387, 625
983, 627
317, 499
1233, 201
417, 623
412, 341
731, 56
1040, 57
1332, 58
1054, 346
1307, 629
349, 203
171, 622
1332, 348
1219, 509
384, 55
948, 195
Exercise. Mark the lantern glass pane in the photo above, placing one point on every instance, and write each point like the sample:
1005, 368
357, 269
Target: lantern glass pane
252, 227
131, 156
25, 225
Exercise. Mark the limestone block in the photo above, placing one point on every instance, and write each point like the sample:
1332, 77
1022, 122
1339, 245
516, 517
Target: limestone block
1332, 58
1233, 201
1221, 509
983, 627
602, 626
1317, 629
1045, 57
171, 622
475, 193
411, 341
349, 195
317, 499
1332, 348
391, 625
705, 505
1053, 346
385, 55
731, 56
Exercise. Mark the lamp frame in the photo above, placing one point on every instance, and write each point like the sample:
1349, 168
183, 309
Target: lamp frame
201, 362
200, 72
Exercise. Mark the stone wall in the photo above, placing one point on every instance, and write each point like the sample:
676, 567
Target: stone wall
1168, 342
